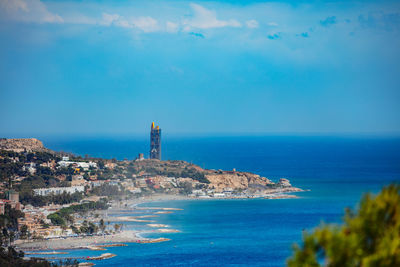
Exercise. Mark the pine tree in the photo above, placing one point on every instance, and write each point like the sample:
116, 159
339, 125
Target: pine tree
368, 237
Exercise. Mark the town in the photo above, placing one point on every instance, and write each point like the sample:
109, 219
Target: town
49, 195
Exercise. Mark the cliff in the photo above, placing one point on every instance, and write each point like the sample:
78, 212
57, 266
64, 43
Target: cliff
22, 145
236, 180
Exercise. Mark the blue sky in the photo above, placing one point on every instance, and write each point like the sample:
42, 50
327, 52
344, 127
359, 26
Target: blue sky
220, 67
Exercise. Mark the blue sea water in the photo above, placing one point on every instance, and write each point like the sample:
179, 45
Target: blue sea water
254, 232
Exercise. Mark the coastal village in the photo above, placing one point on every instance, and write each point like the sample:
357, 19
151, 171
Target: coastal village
48, 195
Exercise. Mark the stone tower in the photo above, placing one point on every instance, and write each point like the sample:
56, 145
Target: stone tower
155, 142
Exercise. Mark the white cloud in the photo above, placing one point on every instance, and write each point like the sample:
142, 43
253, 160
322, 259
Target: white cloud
171, 26
146, 24
81, 19
202, 19
109, 19
252, 23
37, 12
272, 24
14, 5
206, 19
27, 11
115, 20
123, 23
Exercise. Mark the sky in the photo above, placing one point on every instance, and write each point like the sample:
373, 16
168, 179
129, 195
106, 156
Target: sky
202, 67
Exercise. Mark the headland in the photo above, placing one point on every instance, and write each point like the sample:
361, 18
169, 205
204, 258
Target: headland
65, 201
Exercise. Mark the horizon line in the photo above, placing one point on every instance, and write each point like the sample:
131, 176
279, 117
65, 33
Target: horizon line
202, 134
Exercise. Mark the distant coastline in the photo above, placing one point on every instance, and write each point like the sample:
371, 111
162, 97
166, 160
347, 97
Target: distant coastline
67, 199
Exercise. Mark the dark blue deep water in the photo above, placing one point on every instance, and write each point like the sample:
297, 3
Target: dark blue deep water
337, 170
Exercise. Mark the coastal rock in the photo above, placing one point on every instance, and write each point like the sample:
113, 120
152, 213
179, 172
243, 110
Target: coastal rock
284, 183
22, 145
220, 181
236, 180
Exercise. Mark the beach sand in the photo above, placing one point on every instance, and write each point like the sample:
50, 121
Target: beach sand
125, 236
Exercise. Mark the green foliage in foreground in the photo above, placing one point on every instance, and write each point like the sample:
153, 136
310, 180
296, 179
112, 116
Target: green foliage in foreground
369, 237
11, 257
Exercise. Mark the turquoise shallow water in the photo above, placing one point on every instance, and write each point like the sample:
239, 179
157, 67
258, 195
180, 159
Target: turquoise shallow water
252, 232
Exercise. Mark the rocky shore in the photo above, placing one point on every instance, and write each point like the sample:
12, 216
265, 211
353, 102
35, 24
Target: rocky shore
78, 242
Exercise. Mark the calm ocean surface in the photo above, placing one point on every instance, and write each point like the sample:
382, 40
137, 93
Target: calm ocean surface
337, 170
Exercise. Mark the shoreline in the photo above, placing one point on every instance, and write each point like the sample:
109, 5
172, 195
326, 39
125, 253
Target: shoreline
73, 243
130, 236
124, 236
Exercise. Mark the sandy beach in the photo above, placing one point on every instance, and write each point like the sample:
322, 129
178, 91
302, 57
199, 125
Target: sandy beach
125, 236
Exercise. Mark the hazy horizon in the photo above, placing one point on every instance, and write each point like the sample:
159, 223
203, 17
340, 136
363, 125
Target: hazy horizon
166, 135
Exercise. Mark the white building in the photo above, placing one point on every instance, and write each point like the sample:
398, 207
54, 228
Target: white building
135, 190
30, 167
97, 183
83, 165
58, 190
64, 163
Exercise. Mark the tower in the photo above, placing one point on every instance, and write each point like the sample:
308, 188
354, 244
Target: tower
155, 142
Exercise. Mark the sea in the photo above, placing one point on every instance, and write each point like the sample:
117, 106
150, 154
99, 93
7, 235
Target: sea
337, 171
